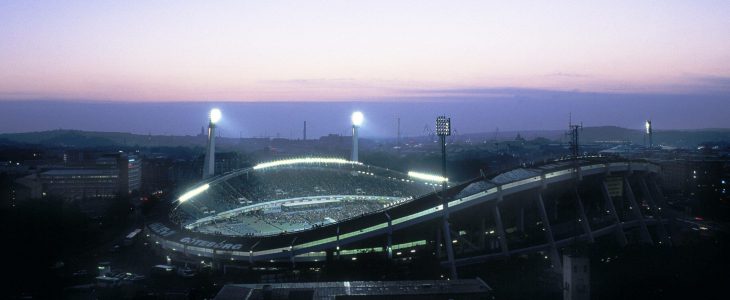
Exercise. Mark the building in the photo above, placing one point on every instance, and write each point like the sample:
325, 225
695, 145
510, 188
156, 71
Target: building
74, 184
107, 176
156, 173
424, 289
576, 278
134, 173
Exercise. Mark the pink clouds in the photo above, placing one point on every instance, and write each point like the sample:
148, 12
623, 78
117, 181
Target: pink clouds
329, 51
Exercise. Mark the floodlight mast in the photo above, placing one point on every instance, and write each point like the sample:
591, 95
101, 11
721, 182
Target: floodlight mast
209, 162
650, 132
443, 129
357, 118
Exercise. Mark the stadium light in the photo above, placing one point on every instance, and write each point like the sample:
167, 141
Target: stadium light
648, 127
443, 129
192, 193
357, 118
209, 162
215, 115
306, 160
427, 177
443, 126
650, 133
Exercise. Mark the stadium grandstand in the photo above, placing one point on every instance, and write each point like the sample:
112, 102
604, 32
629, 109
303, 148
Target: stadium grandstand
293, 195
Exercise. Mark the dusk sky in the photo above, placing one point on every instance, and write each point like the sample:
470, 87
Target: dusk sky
372, 51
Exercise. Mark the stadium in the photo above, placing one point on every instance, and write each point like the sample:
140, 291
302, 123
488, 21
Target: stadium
317, 209
293, 195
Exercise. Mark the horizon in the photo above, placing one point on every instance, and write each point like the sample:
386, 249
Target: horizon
522, 110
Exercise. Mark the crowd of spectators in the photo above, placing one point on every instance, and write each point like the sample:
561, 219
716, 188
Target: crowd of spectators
266, 222
275, 184
293, 182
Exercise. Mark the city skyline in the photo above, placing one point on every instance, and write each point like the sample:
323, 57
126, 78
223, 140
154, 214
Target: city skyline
521, 110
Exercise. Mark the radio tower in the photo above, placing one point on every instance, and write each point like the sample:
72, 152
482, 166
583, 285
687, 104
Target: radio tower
574, 138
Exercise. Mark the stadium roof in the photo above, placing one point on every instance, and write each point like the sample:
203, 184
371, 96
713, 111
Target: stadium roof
514, 175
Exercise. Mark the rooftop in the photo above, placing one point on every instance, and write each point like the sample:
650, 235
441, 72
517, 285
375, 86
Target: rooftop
462, 288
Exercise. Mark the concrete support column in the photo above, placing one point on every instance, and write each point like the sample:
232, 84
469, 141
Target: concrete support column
389, 247
656, 211
438, 242
449, 248
543, 182
582, 215
659, 195
521, 219
291, 253
338, 243
500, 231
636, 211
482, 233
611, 210
250, 253
554, 256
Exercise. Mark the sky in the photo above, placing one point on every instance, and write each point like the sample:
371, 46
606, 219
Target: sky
369, 51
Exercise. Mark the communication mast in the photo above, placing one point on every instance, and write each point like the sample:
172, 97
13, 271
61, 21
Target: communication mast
574, 138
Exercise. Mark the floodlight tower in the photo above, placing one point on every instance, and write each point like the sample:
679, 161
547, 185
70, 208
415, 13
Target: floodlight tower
443, 129
397, 140
357, 118
650, 133
209, 163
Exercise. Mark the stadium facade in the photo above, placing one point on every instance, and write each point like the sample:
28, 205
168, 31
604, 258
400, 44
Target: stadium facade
316, 209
